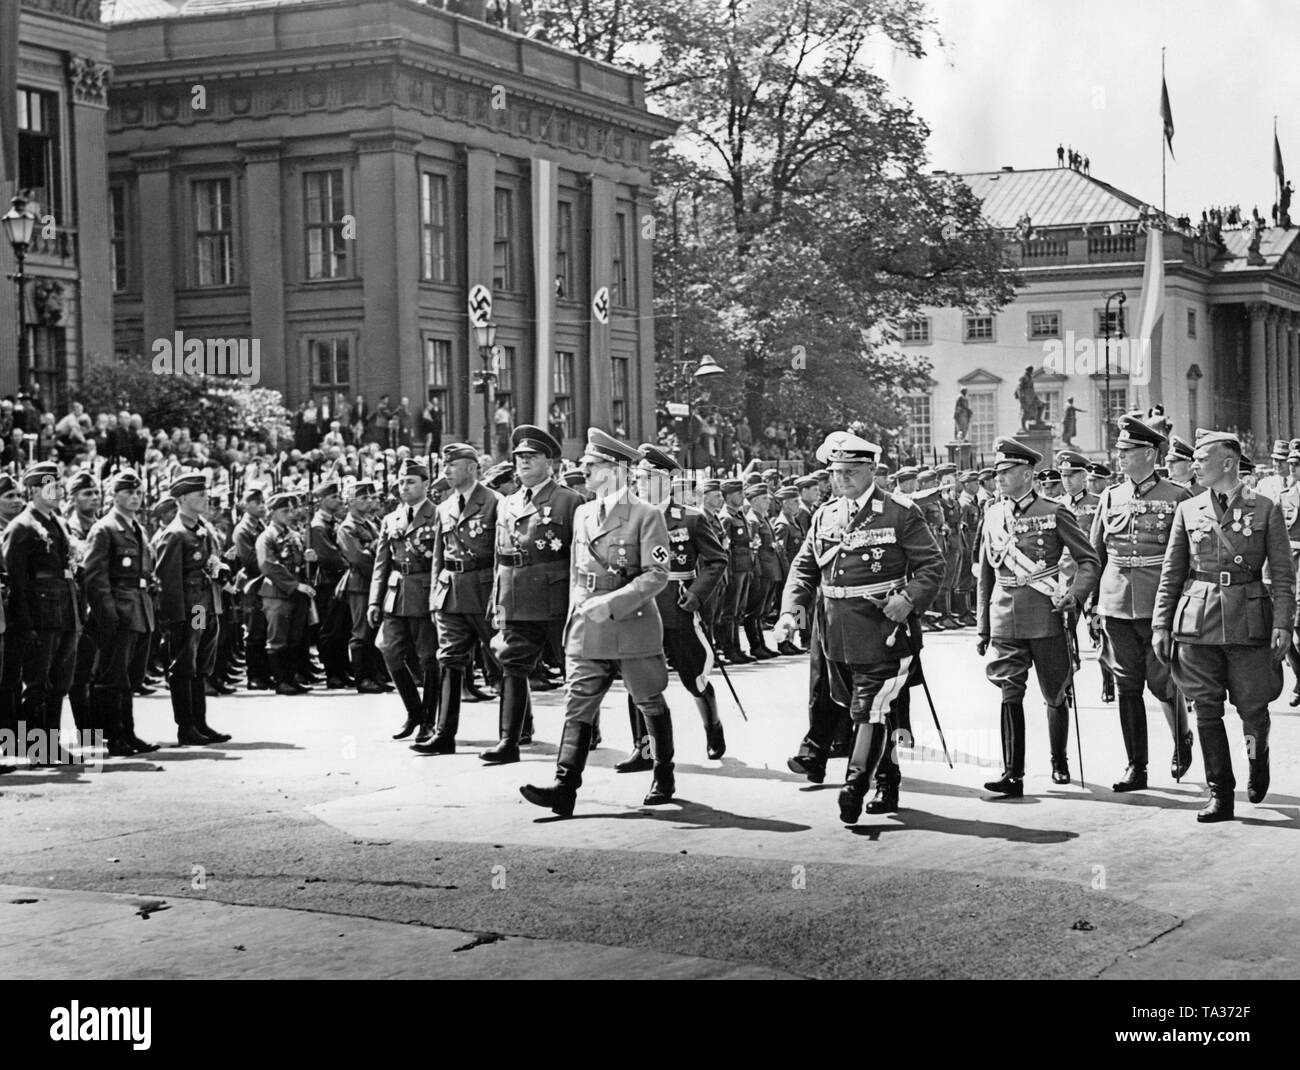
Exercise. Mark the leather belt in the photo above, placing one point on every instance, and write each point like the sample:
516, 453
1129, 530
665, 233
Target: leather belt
863, 590
464, 566
130, 585
1227, 578
513, 560
406, 570
45, 574
1137, 561
683, 576
1028, 578
599, 581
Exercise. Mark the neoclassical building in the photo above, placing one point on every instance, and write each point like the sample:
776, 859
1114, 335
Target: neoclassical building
1230, 346
333, 178
61, 84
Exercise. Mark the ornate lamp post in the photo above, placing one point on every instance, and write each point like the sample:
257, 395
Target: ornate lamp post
705, 369
485, 336
18, 226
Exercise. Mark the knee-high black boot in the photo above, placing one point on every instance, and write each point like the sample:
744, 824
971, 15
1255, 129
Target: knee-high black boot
561, 796
1133, 726
639, 760
715, 739
410, 694
199, 706
126, 709
187, 734
83, 716
510, 721
108, 702
443, 740
1058, 735
659, 725
1012, 782
868, 746
1217, 759
430, 702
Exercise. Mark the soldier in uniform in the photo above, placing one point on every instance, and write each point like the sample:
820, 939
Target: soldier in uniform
1178, 459
876, 565
1290, 503
331, 634
740, 572
44, 608
399, 599
1275, 482
1073, 467
1021, 605
789, 537
529, 599
1050, 485
1129, 532
186, 571
285, 594
248, 580
766, 572
695, 567
463, 554
1098, 478
1214, 620
11, 504
969, 515
926, 498
357, 535
119, 569
950, 542
576, 480
620, 564
84, 501
710, 491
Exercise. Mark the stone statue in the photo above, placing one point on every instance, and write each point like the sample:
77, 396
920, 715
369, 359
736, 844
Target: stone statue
1031, 405
961, 416
1284, 206
1070, 422
1253, 255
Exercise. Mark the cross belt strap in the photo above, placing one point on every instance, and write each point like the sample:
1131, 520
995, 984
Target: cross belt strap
864, 590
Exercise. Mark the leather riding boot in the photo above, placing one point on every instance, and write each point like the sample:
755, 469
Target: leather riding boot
868, 746
1257, 753
1012, 783
199, 704
1217, 759
79, 700
715, 739
286, 678
1058, 735
1176, 717
1133, 727
430, 703
108, 701
510, 721
1107, 684
187, 735
561, 796
126, 710
362, 677
443, 740
888, 775
639, 760
410, 695
659, 725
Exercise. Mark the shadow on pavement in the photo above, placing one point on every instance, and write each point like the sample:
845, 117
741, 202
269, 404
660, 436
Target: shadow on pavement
690, 815
908, 820
256, 745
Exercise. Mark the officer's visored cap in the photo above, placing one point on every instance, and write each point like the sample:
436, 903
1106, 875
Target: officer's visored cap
527, 438
187, 483
1099, 470
822, 474
968, 476
771, 473
80, 481
281, 500
804, 482
1012, 453
7, 483
909, 472
126, 479
786, 494
984, 473
1049, 475
945, 469
926, 474
38, 474
707, 485
732, 486
756, 490
845, 449
1071, 461
607, 449
653, 456
1179, 449
1281, 449
574, 477
1135, 434
1245, 465
499, 475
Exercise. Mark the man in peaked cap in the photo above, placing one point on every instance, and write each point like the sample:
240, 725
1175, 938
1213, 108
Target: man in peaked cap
768, 570
789, 538
1073, 468
84, 499
1130, 533
876, 566
530, 593
1231, 631
44, 608
1274, 483
1290, 503
711, 505
247, 581
620, 564
398, 607
285, 593
1178, 459
326, 567
357, 534
1098, 478
739, 539
1022, 603
501, 478
118, 573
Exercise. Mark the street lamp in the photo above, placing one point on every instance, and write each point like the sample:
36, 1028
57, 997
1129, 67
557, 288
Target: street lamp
18, 226
485, 334
705, 369
1118, 296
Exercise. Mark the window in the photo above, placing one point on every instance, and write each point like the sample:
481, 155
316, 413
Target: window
1106, 429
503, 268
564, 251
49, 364
562, 388
327, 254
329, 359
506, 378
1051, 405
919, 423
619, 393
619, 293
983, 419
213, 233
1113, 325
979, 329
1191, 323
917, 331
1044, 325
435, 237
117, 264
1193, 408
437, 371
38, 149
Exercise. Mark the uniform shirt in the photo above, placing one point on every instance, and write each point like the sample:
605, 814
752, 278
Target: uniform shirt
281, 557
740, 538
323, 538
244, 538
463, 552
186, 554
402, 576
1133, 520
1190, 600
767, 559
118, 570
533, 545
42, 592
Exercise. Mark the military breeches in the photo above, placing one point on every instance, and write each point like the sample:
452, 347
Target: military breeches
410, 642
457, 634
519, 645
587, 681
1126, 650
690, 655
1008, 669
1247, 676
876, 687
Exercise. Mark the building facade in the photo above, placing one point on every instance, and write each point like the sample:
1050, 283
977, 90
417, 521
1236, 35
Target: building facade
61, 83
331, 179
1228, 354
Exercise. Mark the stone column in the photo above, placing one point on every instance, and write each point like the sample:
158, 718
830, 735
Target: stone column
1258, 373
89, 79
160, 259
264, 265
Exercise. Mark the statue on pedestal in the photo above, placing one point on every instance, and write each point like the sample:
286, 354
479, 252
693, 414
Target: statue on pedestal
1070, 422
1031, 405
961, 416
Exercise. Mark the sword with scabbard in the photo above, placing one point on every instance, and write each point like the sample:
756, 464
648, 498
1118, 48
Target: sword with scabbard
716, 660
901, 628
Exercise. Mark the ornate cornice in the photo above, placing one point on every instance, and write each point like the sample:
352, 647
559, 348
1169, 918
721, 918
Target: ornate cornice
89, 79
390, 140
267, 150
81, 10
144, 162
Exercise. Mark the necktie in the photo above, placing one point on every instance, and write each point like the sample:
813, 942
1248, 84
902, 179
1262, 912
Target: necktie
528, 496
460, 498
1222, 499
600, 515
410, 515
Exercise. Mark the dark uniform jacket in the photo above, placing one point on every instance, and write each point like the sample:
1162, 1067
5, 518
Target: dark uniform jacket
402, 574
185, 557
464, 551
697, 563
38, 559
534, 542
357, 536
885, 542
1192, 600
626, 558
767, 556
244, 540
1021, 543
789, 537
1130, 532
119, 570
281, 557
323, 538
740, 538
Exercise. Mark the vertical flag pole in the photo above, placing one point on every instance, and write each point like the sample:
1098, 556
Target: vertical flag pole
1163, 139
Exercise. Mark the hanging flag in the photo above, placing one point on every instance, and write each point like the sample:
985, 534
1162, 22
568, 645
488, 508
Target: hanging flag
1167, 115
9, 90
1145, 346
1277, 162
